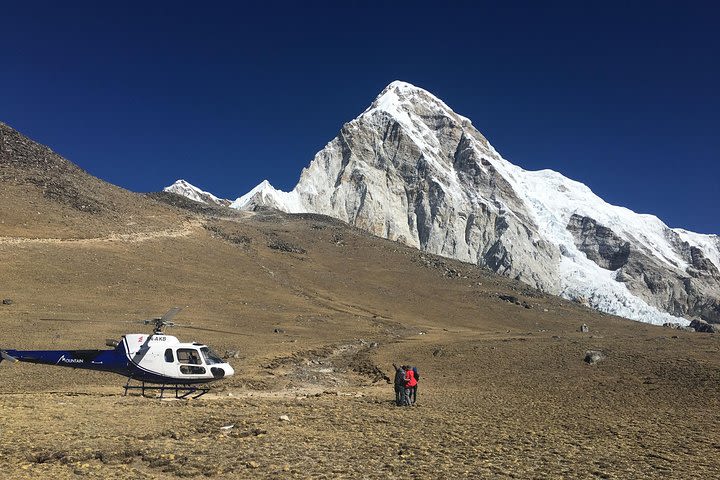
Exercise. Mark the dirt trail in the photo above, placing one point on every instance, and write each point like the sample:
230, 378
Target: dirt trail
186, 230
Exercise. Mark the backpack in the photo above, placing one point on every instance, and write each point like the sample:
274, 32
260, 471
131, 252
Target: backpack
417, 374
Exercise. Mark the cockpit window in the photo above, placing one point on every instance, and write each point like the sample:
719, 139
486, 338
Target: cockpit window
169, 355
211, 358
188, 355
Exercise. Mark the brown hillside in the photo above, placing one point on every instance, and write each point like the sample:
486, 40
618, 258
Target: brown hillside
45, 195
317, 312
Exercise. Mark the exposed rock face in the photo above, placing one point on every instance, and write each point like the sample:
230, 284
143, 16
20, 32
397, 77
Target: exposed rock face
673, 290
599, 243
412, 170
689, 292
409, 169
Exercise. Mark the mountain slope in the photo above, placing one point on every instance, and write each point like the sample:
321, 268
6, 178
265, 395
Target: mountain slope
412, 170
43, 194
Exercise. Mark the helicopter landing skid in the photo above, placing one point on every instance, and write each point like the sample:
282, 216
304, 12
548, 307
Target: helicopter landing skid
182, 390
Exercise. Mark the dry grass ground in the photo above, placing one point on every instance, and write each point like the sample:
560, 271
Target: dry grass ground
504, 392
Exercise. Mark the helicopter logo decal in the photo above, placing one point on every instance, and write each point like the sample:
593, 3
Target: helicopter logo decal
69, 360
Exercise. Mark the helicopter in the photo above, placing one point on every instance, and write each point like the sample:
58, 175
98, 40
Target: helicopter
159, 360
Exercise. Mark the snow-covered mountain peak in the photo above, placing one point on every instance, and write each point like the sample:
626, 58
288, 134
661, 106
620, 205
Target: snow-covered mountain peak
399, 90
402, 100
186, 189
265, 195
182, 185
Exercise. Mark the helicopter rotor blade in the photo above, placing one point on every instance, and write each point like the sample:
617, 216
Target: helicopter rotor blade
170, 314
165, 321
72, 320
213, 330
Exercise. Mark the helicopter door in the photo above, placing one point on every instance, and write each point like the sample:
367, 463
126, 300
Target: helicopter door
190, 361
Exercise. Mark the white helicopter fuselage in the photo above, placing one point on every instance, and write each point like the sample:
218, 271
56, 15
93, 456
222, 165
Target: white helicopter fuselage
171, 361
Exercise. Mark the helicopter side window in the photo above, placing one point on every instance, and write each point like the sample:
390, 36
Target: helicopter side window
169, 357
191, 358
192, 369
188, 355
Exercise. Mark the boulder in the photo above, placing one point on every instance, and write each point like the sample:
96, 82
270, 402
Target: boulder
594, 356
703, 326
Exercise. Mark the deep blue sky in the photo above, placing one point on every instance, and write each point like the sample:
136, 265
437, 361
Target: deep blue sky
621, 96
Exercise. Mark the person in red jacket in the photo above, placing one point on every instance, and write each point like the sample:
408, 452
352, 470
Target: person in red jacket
410, 383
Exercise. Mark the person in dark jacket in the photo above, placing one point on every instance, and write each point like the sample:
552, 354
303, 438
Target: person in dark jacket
399, 386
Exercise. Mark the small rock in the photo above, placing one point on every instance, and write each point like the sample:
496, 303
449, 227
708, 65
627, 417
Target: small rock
284, 418
584, 328
252, 464
374, 345
227, 427
594, 356
509, 298
279, 330
7, 301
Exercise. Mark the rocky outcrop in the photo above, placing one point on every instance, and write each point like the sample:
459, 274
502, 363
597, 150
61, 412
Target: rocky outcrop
599, 243
689, 292
704, 327
672, 290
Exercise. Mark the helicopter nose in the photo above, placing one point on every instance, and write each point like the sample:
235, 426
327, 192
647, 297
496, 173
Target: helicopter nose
222, 372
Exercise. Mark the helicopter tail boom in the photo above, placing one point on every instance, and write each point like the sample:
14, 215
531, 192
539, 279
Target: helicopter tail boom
104, 360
